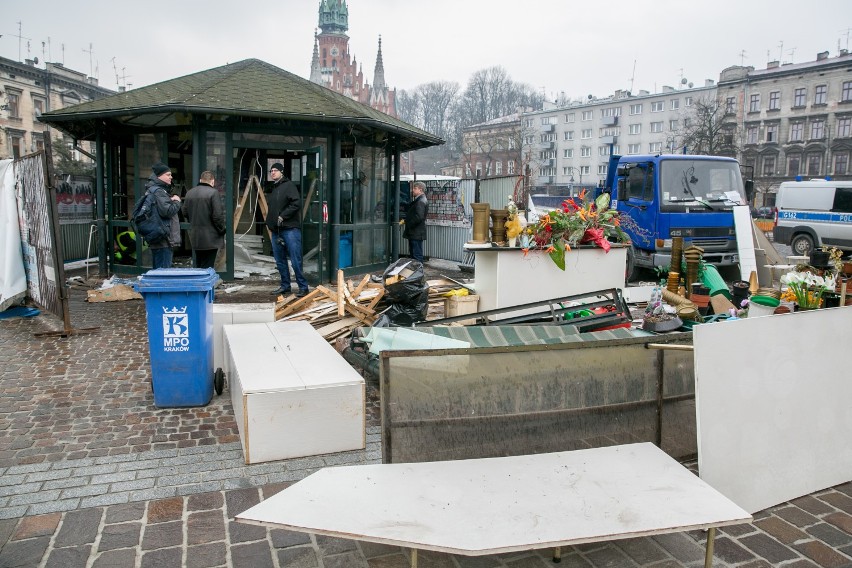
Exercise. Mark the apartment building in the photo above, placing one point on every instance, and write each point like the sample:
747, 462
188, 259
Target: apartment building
570, 145
794, 119
27, 91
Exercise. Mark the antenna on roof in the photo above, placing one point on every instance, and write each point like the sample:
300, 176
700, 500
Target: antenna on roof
91, 65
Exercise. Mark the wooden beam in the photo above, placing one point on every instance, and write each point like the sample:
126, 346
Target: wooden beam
341, 290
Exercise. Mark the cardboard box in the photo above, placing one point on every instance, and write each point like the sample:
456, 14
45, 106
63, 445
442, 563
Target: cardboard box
461, 305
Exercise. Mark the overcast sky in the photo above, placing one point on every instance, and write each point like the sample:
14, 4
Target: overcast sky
579, 48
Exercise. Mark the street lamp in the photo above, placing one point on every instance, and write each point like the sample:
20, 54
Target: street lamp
571, 170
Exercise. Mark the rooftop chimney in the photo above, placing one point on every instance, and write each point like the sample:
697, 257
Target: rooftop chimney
821, 56
709, 82
773, 64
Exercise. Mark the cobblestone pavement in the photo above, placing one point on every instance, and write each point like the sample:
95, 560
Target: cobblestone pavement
92, 475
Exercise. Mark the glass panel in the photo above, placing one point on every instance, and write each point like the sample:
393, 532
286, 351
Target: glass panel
369, 185
370, 246
444, 404
215, 161
150, 151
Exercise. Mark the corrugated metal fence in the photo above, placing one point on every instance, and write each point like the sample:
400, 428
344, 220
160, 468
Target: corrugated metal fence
446, 240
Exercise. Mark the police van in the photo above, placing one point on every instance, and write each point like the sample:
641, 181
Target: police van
814, 213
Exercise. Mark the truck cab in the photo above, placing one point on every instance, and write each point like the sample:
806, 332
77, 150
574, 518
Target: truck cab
677, 196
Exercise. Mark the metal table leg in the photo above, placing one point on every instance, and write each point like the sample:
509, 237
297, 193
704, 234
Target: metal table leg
708, 556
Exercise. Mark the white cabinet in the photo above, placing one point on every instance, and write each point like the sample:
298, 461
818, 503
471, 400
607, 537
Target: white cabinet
293, 394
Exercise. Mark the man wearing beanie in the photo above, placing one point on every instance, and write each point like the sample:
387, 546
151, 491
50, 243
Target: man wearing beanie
167, 205
283, 219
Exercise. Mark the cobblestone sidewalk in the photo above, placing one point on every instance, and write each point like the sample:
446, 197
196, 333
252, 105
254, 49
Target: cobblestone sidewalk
93, 475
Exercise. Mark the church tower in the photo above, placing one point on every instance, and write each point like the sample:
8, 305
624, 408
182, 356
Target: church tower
334, 67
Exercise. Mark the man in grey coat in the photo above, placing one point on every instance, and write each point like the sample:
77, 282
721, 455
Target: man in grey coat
203, 208
167, 205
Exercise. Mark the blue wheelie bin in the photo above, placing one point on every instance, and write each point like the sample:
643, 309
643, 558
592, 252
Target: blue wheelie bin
180, 334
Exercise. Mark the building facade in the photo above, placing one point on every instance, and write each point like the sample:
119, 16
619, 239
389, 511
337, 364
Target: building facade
493, 148
334, 67
568, 147
795, 120
27, 91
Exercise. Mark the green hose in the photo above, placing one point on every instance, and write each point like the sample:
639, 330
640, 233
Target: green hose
713, 281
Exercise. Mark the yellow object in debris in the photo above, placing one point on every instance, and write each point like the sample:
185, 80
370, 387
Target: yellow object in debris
457, 292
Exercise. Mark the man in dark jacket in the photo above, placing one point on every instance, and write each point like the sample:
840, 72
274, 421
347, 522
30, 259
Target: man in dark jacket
167, 206
415, 220
206, 215
283, 217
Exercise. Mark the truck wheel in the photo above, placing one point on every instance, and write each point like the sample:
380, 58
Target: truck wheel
802, 245
630, 272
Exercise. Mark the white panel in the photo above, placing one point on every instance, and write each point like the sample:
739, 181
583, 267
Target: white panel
312, 358
226, 314
506, 277
495, 505
259, 359
309, 422
745, 240
773, 405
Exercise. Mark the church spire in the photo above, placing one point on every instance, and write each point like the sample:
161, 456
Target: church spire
333, 17
316, 71
379, 74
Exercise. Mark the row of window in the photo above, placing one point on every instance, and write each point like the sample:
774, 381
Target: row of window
800, 98
816, 130
587, 133
811, 164
13, 104
586, 115
496, 166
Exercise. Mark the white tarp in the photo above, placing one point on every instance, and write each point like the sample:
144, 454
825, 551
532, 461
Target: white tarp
13, 278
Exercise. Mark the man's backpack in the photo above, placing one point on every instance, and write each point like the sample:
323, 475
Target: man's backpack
147, 221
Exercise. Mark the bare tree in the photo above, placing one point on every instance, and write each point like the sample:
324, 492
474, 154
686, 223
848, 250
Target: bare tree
436, 101
707, 127
408, 107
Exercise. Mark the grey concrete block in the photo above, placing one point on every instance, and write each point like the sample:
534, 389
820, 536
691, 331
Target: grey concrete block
13, 512
84, 491
95, 469
49, 475
183, 479
106, 499
66, 483
53, 506
28, 468
155, 493
34, 497
7, 480
67, 464
133, 485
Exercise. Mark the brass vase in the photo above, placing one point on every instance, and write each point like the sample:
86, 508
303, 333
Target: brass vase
480, 223
498, 225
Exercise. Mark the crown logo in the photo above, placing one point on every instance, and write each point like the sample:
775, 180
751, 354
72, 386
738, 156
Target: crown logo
174, 310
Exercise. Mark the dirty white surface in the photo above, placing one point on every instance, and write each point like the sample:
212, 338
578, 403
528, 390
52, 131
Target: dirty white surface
485, 506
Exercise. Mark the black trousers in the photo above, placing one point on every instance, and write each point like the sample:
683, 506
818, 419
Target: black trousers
204, 258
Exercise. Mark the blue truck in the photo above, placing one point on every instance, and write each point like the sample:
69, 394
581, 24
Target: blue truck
677, 195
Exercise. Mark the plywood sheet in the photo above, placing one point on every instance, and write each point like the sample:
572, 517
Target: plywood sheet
773, 405
495, 505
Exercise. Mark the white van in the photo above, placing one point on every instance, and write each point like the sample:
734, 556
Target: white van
814, 213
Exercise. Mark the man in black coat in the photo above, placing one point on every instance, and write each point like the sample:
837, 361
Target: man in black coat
415, 220
167, 205
203, 208
283, 217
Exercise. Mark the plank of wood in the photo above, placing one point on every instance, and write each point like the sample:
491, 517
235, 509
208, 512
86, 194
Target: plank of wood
360, 288
335, 327
341, 289
301, 302
372, 305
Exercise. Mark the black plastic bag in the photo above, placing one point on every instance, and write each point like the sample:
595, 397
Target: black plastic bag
409, 287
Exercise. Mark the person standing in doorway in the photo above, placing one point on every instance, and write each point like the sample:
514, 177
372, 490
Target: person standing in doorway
206, 215
167, 205
283, 220
415, 220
